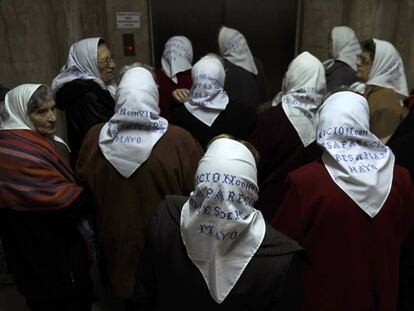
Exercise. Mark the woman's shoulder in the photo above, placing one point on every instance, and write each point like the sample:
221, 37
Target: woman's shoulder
382, 97
79, 90
276, 243
177, 144
80, 86
94, 131
169, 210
162, 78
401, 177
176, 130
272, 115
307, 174
375, 91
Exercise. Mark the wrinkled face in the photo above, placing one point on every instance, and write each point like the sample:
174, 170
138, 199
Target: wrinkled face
106, 64
44, 118
364, 64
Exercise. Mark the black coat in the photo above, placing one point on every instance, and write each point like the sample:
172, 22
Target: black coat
281, 151
47, 255
401, 143
168, 280
243, 86
238, 119
86, 104
339, 74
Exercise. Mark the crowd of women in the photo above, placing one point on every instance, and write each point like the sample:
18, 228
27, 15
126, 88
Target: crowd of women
190, 188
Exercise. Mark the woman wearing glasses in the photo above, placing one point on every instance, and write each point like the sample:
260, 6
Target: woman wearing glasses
381, 68
85, 89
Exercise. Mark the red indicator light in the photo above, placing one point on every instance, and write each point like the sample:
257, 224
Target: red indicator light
129, 44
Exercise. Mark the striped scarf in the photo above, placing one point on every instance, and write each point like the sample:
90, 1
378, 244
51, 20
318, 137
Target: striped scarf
33, 175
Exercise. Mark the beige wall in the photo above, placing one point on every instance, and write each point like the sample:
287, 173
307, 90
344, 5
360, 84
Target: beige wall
318, 18
404, 38
26, 52
141, 36
35, 36
391, 20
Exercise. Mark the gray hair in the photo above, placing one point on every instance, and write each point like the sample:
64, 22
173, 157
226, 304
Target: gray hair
41, 95
136, 65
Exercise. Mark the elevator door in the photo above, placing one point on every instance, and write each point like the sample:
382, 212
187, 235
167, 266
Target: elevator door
268, 25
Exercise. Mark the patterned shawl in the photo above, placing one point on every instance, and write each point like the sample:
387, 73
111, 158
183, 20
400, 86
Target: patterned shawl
33, 175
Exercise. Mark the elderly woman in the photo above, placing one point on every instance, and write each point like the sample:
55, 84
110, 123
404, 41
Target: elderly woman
353, 211
285, 134
85, 89
213, 250
130, 163
41, 206
343, 48
381, 68
175, 75
245, 77
209, 111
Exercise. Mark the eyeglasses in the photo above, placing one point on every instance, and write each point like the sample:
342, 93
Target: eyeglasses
364, 61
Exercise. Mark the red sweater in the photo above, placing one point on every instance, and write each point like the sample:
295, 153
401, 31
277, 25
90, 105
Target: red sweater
354, 260
167, 86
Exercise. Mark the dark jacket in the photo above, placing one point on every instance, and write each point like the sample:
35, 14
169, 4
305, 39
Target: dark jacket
339, 74
86, 103
238, 119
168, 280
281, 151
243, 86
46, 253
401, 143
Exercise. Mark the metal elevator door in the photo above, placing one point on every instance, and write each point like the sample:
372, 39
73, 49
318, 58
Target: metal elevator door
270, 28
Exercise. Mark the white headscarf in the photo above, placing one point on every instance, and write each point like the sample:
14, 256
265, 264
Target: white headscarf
305, 86
234, 48
15, 111
207, 99
220, 227
278, 97
387, 68
82, 63
358, 162
128, 138
345, 47
177, 56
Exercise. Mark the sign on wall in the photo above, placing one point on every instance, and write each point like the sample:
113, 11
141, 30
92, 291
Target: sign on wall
128, 20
